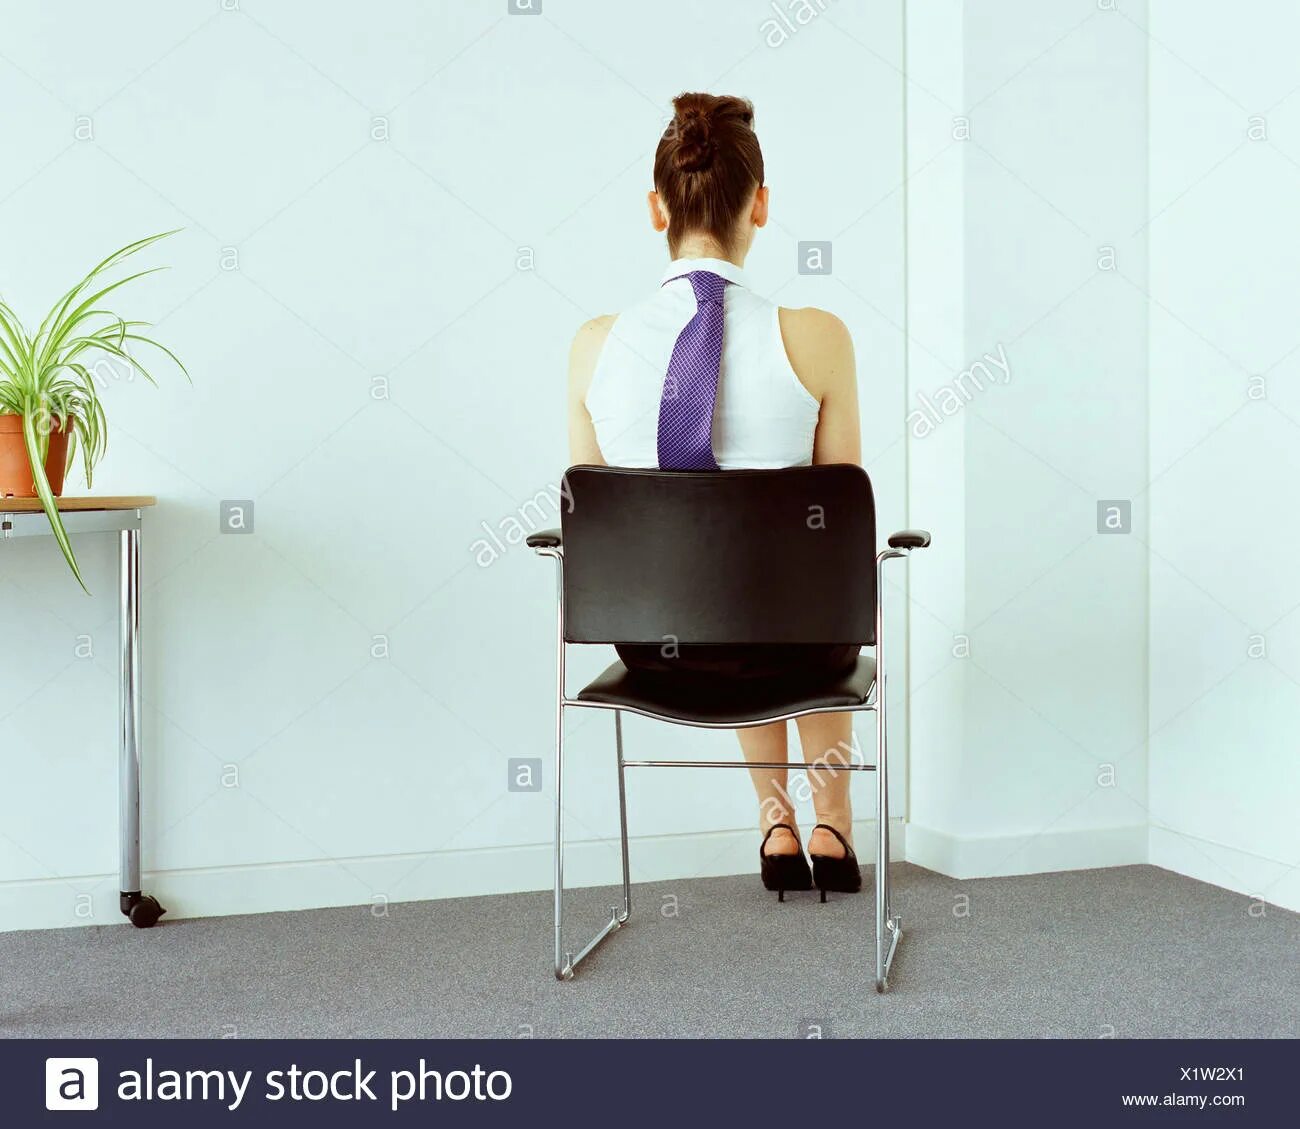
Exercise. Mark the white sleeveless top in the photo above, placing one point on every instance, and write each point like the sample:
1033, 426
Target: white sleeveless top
764, 417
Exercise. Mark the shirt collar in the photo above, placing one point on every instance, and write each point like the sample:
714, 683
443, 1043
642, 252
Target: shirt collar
720, 267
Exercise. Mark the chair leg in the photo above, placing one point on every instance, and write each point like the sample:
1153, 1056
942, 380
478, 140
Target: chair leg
566, 963
622, 817
889, 929
563, 969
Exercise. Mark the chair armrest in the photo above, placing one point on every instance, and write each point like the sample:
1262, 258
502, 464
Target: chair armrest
909, 539
544, 539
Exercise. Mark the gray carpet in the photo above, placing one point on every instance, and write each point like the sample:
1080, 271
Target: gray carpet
1133, 951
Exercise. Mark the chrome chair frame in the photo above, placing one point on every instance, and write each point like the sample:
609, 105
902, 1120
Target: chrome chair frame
889, 930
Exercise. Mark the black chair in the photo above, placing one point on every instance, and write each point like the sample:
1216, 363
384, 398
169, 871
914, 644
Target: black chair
739, 558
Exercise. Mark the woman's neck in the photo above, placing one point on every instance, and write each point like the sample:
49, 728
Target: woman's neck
700, 247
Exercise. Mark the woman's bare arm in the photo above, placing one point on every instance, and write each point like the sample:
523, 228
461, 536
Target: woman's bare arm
590, 339
821, 354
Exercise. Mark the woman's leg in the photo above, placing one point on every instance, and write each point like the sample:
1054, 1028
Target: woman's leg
827, 742
768, 743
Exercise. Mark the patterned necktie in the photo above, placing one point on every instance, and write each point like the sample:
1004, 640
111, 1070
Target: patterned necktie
691, 383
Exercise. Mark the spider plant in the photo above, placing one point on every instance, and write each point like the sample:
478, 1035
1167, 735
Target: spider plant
48, 377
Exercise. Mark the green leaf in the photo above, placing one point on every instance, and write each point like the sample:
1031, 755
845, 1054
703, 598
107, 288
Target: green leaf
48, 502
159, 345
62, 327
60, 307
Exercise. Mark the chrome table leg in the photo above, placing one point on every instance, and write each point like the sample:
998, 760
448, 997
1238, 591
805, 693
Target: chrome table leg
142, 909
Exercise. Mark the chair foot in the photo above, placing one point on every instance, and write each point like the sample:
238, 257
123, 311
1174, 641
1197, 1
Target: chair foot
894, 927
617, 919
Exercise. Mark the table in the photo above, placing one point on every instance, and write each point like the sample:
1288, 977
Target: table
23, 517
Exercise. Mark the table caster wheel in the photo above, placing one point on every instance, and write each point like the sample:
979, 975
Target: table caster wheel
143, 909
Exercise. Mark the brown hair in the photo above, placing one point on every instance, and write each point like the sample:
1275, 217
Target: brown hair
706, 166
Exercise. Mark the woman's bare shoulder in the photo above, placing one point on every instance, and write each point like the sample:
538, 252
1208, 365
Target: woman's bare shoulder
811, 320
585, 352
598, 326
819, 347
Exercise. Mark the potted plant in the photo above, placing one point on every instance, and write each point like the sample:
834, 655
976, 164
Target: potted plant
49, 399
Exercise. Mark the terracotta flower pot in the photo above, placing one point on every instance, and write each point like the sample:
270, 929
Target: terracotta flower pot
16, 471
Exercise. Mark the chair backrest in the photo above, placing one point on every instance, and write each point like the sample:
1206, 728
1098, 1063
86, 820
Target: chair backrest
739, 556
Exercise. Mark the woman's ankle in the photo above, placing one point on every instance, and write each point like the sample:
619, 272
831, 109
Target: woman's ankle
823, 842
780, 832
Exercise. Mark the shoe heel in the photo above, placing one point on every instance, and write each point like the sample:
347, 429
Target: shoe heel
839, 875
783, 872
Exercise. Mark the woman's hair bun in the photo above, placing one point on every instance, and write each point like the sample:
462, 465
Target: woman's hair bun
696, 146
707, 165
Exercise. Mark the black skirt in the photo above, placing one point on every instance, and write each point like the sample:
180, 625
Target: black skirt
785, 661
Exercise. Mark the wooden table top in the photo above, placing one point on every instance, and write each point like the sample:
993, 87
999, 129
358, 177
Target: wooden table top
79, 505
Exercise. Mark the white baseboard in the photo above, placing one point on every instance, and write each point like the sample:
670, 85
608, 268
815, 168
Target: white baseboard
268, 888
999, 855
272, 887
1265, 879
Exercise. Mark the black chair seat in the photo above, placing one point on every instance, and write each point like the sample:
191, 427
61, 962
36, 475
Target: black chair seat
701, 699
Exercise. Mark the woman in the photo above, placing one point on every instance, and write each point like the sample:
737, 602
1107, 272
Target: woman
707, 375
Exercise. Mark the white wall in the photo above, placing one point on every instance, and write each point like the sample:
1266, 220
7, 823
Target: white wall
1127, 697
355, 258
936, 475
1032, 755
1225, 409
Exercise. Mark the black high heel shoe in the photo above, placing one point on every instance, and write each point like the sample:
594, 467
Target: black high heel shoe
842, 875
783, 872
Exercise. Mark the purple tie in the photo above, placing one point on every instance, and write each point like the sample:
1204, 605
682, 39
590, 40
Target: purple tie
691, 383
